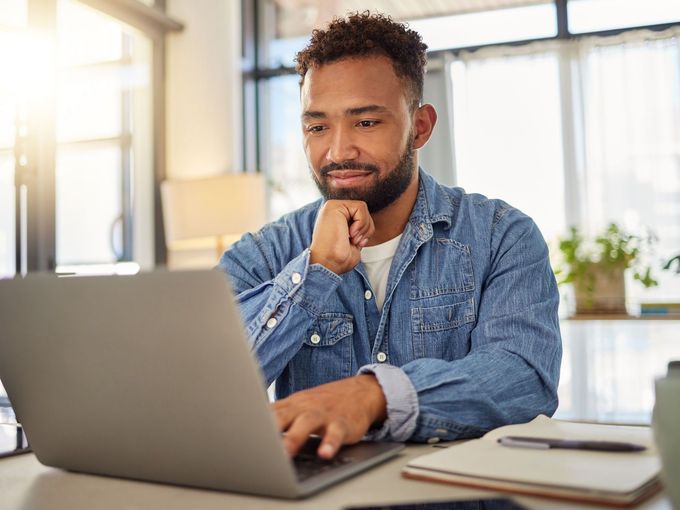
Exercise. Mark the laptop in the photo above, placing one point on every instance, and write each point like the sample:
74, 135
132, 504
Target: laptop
150, 377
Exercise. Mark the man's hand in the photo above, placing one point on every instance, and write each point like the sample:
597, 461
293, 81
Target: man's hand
341, 412
342, 228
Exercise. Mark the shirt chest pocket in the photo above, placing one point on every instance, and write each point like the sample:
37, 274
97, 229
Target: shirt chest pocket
442, 300
326, 352
442, 331
443, 266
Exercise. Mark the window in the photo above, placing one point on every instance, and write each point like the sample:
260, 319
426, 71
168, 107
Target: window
579, 130
103, 107
478, 28
77, 100
511, 103
625, 107
13, 20
595, 15
631, 104
7, 252
442, 25
290, 185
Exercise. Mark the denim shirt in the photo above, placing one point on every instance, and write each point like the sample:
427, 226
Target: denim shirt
468, 337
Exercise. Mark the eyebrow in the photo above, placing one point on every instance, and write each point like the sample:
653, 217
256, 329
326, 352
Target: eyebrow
371, 108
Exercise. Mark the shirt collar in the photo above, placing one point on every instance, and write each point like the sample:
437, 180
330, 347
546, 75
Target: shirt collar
433, 204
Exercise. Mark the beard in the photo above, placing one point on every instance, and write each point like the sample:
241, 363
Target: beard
377, 196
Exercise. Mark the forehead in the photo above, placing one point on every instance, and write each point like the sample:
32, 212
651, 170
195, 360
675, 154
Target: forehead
352, 82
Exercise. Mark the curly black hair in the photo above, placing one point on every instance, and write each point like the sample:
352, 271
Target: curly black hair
364, 35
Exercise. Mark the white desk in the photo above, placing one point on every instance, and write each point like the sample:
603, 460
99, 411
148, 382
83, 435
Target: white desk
27, 485
607, 375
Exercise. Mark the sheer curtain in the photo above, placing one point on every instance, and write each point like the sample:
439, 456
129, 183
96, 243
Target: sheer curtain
584, 132
630, 93
507, 129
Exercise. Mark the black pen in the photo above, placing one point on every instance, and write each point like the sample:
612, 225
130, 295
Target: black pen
569, 444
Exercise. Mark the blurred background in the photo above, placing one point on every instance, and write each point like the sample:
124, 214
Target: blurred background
567, 109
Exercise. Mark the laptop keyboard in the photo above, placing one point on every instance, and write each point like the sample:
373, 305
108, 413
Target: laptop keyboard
308, 464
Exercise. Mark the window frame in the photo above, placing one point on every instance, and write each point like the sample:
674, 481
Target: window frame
35, 214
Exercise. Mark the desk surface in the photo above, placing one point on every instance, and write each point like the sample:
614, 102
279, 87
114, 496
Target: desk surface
25, 484
607, 375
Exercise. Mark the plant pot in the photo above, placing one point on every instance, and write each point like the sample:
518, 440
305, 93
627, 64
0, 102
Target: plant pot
601, 290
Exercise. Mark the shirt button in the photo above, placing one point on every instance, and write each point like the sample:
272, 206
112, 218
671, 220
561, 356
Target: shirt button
296, 278
433, 440
271, 323
382, 357
368, 295
315, 339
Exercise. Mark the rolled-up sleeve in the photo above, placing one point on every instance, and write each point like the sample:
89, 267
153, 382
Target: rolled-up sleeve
402, 402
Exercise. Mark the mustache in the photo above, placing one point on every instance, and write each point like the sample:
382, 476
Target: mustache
347, 165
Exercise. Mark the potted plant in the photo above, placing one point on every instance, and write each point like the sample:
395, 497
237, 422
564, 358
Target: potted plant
596, 268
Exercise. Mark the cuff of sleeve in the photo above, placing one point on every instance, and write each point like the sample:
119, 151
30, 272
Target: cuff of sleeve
307, 285
402, 403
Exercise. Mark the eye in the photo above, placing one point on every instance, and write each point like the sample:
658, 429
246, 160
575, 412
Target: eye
368, 123
315, 129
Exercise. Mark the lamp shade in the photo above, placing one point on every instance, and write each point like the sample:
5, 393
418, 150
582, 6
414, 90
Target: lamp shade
215, 207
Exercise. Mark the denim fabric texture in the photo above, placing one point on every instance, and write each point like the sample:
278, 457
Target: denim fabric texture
468, 338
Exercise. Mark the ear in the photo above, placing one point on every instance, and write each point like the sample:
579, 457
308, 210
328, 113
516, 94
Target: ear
424, 119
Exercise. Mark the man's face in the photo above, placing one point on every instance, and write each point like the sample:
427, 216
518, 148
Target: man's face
357, 131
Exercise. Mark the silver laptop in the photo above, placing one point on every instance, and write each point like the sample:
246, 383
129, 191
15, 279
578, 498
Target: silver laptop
150, 377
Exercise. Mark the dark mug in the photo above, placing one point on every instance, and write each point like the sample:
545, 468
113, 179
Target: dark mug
666, 424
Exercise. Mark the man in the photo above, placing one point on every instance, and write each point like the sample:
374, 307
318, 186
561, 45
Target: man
395, 308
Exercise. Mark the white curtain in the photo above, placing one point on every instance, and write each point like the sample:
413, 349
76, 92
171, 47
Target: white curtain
630, 92
507, 129
584, 132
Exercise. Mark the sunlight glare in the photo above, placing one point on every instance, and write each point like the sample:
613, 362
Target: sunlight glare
28, 56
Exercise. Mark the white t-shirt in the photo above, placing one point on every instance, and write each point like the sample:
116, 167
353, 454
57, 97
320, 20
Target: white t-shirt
377, 261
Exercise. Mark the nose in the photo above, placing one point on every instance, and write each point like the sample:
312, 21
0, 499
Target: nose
342, 147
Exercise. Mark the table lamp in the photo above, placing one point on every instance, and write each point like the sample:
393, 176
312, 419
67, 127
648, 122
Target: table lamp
213, 211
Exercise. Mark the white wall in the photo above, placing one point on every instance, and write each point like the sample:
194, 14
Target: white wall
203, 101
